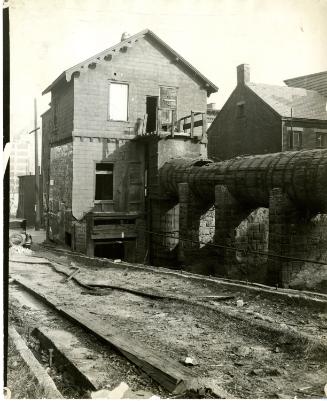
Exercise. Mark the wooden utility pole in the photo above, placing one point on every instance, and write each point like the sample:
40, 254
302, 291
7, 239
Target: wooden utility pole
37, 178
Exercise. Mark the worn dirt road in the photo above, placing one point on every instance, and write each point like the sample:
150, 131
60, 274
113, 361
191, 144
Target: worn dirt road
258, 350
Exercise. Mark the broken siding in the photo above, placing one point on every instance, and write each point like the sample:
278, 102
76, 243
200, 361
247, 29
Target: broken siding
128, 182
62, 111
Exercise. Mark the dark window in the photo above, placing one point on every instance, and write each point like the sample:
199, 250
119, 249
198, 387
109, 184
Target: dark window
321, 139
294, 140
104, 181
240, 109
151, 111
110, 250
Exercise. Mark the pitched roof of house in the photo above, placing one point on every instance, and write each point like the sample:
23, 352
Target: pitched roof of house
67, 74
316, 81
288, 101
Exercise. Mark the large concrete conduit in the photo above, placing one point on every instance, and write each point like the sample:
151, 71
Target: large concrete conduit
301, 174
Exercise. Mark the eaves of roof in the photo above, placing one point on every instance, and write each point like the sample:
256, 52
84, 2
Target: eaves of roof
67, 74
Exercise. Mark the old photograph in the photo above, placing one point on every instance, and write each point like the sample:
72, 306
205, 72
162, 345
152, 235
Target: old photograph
166, 226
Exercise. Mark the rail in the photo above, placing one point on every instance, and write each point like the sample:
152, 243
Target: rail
185, 125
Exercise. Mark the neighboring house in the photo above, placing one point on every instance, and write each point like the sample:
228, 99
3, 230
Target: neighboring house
212, 113
316, 82
26, 200
261, 118
95, 152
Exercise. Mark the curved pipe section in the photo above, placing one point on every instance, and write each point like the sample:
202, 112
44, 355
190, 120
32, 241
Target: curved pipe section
301, 174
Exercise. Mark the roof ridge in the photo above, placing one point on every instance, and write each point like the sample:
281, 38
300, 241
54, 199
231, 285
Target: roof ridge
306, 75
290, 88
69, 71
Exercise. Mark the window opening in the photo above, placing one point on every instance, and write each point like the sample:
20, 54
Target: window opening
151, 111
321, 139
168, 103
104, 181
240, 109
118, 102
294, 139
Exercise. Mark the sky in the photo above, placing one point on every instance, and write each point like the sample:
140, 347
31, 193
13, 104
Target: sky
280, 39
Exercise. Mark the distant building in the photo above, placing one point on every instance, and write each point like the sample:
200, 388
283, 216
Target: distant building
114, 120
261, 118
212, 113
20, 164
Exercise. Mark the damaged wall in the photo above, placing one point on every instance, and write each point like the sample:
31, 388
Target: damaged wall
60, 190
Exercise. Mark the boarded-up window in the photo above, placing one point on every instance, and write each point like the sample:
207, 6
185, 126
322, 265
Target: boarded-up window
168, 103
118, 102
104, 181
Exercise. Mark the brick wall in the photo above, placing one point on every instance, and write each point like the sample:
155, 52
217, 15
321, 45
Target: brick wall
258, 132
295, 233
308, 131
144, 67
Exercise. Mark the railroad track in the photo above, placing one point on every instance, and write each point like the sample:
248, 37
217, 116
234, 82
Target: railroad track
235, 353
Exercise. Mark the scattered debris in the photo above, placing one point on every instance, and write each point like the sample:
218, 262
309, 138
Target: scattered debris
257, 372
188, 361
21, 250
117, 393
239, 303
123, 391
72, 275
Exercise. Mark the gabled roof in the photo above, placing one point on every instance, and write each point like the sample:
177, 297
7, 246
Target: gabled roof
67, 74
292, 102
317, 82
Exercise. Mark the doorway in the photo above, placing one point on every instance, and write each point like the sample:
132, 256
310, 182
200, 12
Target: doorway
151, 111
109, 250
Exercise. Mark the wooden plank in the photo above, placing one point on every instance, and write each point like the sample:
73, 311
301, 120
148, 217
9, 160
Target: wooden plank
145, 120
172, 128
167, 372
28, 260
44, 380
114, 235
87, 373
197, 123
192, 124
204, 125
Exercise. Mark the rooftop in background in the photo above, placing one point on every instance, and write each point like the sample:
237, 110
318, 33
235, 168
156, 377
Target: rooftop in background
67, 74
288, 101
317, 82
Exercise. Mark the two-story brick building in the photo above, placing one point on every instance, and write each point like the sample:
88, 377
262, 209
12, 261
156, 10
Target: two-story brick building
261, 118
114, 119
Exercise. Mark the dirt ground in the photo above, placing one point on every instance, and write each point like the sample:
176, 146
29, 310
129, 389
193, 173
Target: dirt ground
232, 353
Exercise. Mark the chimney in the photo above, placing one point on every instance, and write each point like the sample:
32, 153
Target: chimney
125, 36
243, 74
